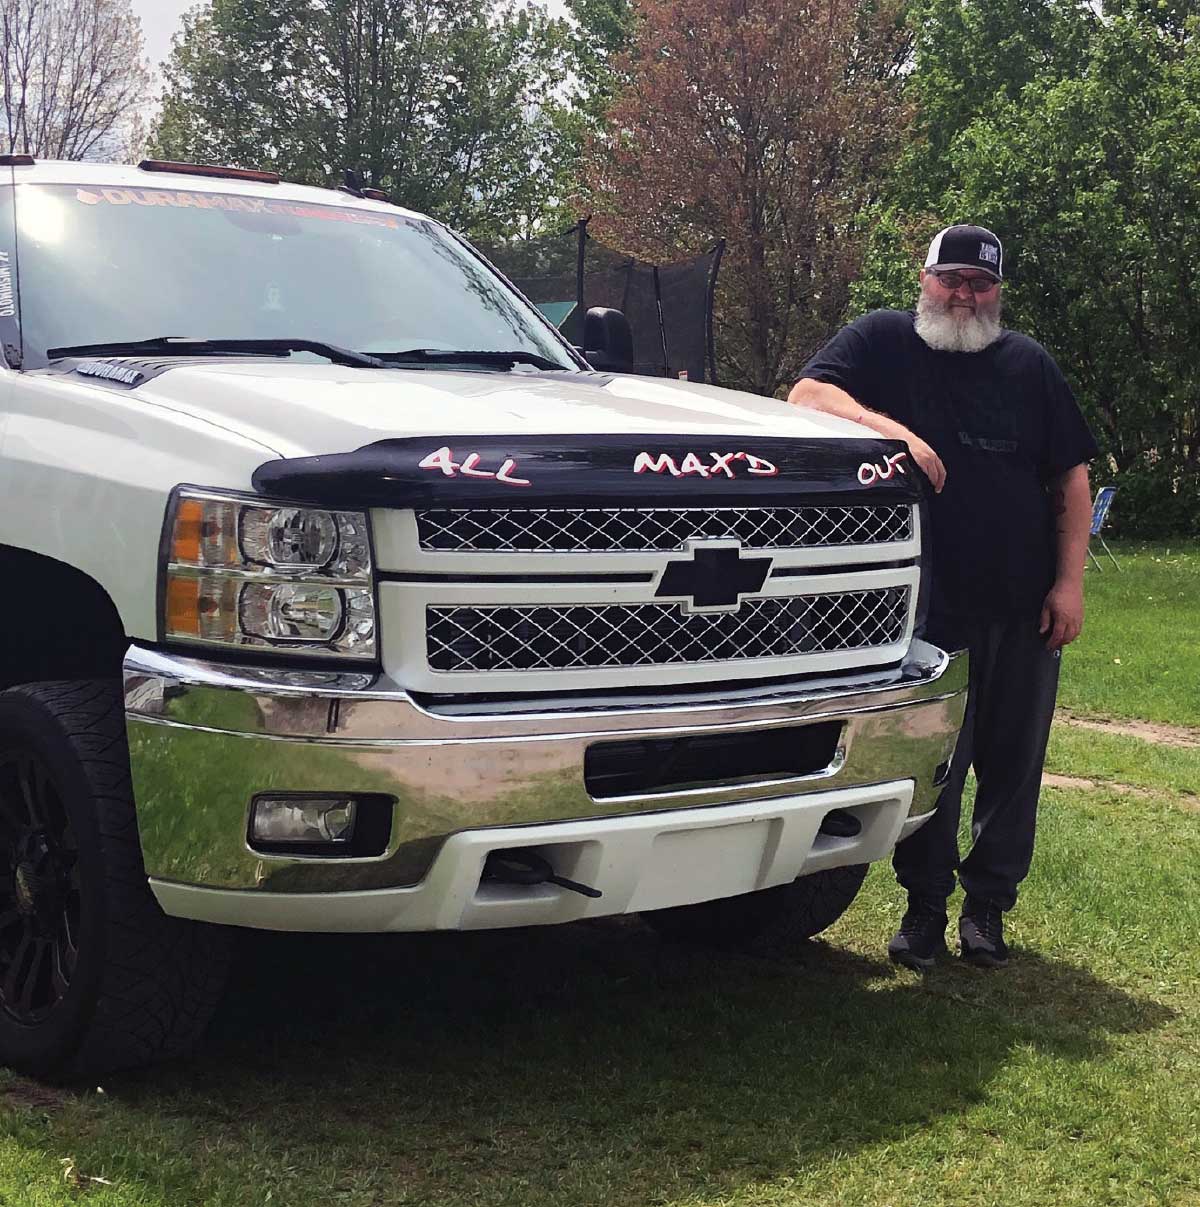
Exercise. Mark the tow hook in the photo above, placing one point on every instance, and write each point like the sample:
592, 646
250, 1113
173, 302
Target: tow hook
838, 823
523, 865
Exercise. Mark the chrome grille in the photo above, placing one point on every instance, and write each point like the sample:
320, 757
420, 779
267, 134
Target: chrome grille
582, 636
629, 530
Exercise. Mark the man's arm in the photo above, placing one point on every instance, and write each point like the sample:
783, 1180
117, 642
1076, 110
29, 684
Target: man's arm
821, 396
1062, 613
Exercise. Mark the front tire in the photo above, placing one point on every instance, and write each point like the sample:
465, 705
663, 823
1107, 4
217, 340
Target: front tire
788, 913
94, 977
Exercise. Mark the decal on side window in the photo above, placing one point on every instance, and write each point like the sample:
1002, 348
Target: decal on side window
233, 203
8, 305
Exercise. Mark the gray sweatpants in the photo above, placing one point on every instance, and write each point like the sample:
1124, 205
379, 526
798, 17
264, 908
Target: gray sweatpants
1010, 704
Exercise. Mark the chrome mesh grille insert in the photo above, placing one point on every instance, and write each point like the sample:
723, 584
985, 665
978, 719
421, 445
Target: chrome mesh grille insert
590, 636
629, 530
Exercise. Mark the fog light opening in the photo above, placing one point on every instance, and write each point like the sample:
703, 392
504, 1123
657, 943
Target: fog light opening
324, 824
297, 819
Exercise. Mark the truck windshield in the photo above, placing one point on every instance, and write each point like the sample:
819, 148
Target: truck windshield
101, 265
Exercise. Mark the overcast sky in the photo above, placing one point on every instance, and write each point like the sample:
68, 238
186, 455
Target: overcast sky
160, 20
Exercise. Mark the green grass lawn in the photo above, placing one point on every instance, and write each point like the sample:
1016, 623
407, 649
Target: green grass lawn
592, 1064
1139, 654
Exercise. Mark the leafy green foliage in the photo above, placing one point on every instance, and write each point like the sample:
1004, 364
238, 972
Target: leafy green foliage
1084, 154
446, 104
602, 31
600, 37
972, 56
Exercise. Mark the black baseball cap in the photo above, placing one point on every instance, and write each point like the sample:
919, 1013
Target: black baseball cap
967, 247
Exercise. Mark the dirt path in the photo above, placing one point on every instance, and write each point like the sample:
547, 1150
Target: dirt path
1181, 800
1049, 780
23, 1092
1149, 731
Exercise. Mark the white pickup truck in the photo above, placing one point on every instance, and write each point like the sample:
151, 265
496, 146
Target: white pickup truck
341, 594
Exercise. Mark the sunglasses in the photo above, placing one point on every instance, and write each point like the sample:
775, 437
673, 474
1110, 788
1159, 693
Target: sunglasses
952, 280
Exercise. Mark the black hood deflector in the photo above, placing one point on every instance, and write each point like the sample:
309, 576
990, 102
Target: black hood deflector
516, 471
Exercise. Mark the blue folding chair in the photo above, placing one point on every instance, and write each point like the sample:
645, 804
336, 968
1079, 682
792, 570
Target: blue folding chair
1104, 498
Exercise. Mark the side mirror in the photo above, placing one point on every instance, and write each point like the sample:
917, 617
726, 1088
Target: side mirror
608, 340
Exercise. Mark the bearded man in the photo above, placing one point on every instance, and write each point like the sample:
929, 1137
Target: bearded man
990, 420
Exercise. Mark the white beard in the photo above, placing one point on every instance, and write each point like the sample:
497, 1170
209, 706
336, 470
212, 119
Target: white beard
945, 331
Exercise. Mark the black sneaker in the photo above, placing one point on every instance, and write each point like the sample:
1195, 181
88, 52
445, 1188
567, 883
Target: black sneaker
922, 935
981, 934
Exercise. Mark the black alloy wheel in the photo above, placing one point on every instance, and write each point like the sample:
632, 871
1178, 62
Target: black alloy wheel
94, 976
39, 889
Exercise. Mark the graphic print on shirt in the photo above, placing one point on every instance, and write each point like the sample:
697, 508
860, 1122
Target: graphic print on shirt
987, 444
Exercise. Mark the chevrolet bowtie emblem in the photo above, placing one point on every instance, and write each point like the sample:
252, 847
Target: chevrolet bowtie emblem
714, 577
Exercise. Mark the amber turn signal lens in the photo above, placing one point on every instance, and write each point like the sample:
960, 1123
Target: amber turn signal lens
189, 527
183, 607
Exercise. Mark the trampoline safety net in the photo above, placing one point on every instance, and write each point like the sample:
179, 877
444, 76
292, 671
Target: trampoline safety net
669, 306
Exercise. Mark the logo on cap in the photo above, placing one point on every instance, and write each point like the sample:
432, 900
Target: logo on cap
989, 252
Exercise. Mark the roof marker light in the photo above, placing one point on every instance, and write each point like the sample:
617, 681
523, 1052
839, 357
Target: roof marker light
201, 169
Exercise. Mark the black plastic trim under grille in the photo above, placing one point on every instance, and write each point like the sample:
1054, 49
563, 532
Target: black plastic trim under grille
539, 700
650, 765
842, 568
599, 576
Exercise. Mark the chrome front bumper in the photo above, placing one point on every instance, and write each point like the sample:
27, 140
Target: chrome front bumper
205, 738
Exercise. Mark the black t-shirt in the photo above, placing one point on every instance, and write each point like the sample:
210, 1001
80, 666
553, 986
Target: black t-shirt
1005, 424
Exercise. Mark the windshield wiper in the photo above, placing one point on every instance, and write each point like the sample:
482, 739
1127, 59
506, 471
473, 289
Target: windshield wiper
445, 356
179, 345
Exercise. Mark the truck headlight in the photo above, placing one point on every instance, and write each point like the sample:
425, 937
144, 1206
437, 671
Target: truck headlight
245, 572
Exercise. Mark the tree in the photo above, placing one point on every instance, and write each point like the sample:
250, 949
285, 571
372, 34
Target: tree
602, 31
1092, 176
74, 78
600, 34
446, 104
970, 56
767, 124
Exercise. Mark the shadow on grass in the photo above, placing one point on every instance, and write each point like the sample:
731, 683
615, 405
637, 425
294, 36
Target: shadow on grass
595, 1064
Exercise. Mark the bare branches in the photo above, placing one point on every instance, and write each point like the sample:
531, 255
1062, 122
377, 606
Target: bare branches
73, 80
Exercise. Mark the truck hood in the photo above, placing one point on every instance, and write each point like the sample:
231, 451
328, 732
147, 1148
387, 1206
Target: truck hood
303, 409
